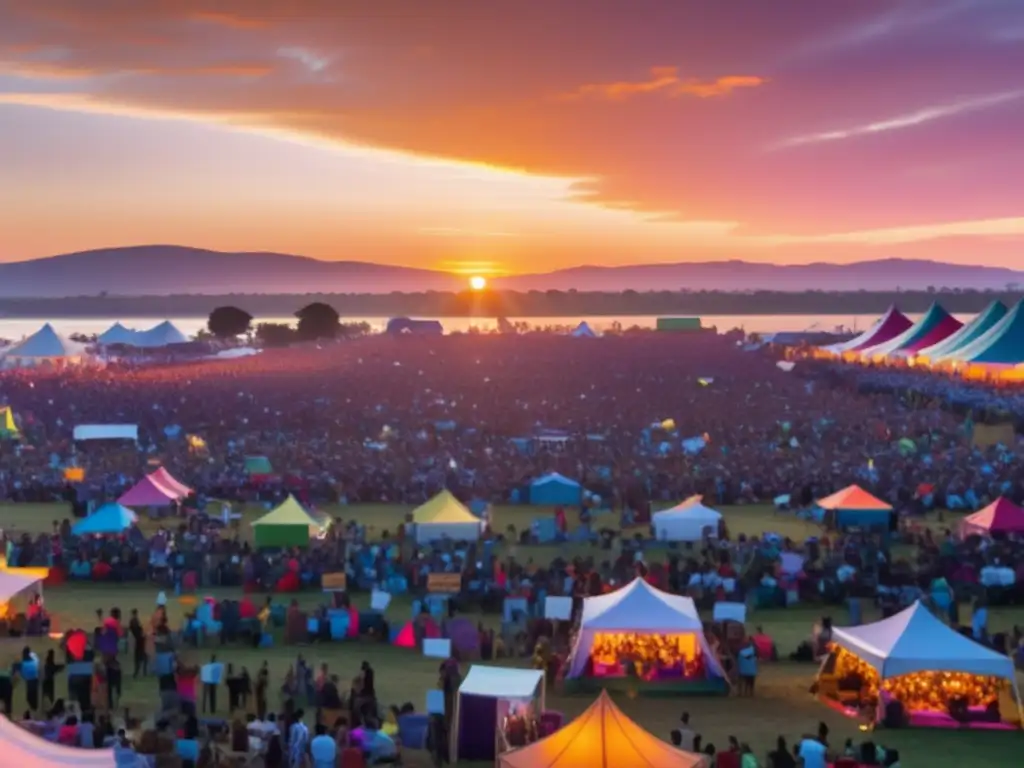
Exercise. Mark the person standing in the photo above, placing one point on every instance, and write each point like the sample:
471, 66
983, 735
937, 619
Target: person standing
323, 748
50, 670
746, 661
139, 637
30, 674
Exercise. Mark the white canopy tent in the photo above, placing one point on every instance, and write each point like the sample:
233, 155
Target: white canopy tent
44, 347
505, 687
117, 334
642, 609
686, 521
13, 584
160, 336
584, 331
26, 750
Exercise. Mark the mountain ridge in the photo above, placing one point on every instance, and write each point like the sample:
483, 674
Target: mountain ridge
164, 270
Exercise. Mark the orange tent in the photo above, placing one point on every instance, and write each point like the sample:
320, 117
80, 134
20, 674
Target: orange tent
853, 497
601, 736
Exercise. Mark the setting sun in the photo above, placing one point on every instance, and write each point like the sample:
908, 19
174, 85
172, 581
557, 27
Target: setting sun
478, 282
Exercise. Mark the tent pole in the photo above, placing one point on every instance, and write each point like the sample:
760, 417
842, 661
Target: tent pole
454, 748
1016, 695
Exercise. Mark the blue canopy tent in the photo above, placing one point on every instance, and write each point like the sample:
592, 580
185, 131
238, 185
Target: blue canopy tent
554, 490
110, 518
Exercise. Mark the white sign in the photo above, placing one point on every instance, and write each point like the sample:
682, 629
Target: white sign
730, 612
437, 648
379, 601
558, 608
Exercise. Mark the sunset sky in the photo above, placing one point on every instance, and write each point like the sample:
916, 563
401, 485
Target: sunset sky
494, 136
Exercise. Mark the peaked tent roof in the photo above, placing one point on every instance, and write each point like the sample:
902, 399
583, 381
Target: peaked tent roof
443, 508
640, 607
853, 497
888, 326
584, 331
117, 334
993, 313
914, 640
160, 336
110, 518
168, 481
288, 512
12, 584
148, 493
1002, 344
1002, 515
691, 506
602, 736
555, 477
935, 325
25, 749
46, 343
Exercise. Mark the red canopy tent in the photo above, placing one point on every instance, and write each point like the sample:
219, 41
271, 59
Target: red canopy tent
166, 480
148, 492
1001, 516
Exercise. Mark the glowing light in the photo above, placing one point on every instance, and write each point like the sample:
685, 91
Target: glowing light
478, 282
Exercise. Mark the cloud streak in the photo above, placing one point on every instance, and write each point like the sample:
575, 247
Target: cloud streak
905, 121
665, 81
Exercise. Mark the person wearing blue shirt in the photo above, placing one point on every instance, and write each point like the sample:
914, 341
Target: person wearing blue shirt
30, 674
323, 748
378, 746
746, 662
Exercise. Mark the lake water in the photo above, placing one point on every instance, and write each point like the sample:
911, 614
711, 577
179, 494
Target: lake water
17, 328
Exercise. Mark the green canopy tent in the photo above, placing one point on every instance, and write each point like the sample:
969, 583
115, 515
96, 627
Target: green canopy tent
258, 465
8, 429
288, 525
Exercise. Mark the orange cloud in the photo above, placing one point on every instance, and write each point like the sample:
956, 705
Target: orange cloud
232, 20
665, 80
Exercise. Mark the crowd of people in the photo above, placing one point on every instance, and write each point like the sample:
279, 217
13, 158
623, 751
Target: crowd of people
395, 420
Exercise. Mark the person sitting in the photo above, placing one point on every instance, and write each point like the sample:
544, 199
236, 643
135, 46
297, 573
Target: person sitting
378, 746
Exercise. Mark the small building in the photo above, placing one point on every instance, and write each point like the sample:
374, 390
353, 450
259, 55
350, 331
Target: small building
403, 325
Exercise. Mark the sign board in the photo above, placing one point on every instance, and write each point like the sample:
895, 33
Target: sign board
435, 702
74, 474
444, 583
730, 612
334, 582
559, 608
437, 647
379, 601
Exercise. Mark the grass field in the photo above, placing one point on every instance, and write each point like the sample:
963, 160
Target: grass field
783, 705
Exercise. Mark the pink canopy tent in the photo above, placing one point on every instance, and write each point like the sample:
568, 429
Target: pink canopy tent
168, 481
148, 492
885, 329
1001, 516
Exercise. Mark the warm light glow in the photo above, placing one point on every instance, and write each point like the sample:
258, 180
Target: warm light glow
478, 282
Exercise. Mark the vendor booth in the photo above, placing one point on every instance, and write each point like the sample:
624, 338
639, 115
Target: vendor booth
149, 492
914, 668
15, 588
170, 482
444, 516
112, 518
640, 639
853, 507
1001, 516
688, 521
27, 750
287, 525
495, 707
601, 736
555, 490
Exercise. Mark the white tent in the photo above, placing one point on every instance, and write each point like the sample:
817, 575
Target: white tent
117, 334
686, 521
584, 331
914, 640
642, 609
26, 750
44, 347
13, 584
160, 336
443, 517
501, 688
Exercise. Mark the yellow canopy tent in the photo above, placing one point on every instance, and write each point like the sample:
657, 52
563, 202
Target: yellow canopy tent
602, 735
8, 429
445, 516
287, 525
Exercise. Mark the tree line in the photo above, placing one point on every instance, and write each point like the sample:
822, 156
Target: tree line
568, 304
315, 321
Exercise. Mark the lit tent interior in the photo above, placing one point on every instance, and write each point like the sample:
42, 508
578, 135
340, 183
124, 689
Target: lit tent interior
601, 736
663, 631
916, 659
487, 698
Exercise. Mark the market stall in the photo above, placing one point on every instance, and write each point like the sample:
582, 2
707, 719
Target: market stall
687, 521
445, 517
601, 736
641, 639
496, 707
287, 525
914, 668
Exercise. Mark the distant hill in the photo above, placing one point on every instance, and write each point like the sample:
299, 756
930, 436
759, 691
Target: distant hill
167, 270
